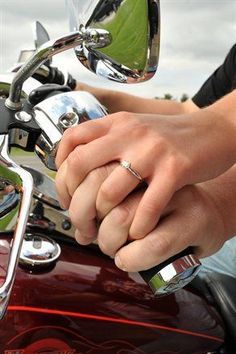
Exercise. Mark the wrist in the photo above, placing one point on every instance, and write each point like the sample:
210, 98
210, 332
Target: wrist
224, 111
221, 191
213, 203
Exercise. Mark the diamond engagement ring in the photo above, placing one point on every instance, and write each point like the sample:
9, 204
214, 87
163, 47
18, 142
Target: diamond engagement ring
127, 166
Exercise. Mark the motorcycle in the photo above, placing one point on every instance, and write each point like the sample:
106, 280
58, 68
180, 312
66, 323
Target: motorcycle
55, 295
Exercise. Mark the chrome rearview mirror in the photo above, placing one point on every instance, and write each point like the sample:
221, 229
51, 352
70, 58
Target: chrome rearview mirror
116, 39
134, 28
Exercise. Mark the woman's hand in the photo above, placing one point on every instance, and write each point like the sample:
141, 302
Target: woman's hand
167, 151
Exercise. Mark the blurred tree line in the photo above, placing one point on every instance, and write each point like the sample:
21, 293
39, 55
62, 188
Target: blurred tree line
168, 96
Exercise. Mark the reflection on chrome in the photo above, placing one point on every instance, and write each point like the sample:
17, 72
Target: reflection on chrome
14, 179
9, 205
134, 27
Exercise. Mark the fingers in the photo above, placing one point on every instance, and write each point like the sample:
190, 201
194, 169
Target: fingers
190, 219
61, 186
82, 209
153, 203
82, 160
169, 238
81, 134
114, 190
114, 229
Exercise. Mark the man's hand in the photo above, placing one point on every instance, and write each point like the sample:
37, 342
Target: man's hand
191, 218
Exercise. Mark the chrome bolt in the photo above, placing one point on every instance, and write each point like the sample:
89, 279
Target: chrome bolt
66, 224
23, 116
69, 120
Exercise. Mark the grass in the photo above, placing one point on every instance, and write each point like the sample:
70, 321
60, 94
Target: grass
129, 30
17, 152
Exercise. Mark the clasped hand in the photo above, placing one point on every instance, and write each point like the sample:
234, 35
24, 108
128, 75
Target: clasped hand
161, 218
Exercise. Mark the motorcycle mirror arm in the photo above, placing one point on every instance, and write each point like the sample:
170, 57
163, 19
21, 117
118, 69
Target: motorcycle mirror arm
22, 181
91, 37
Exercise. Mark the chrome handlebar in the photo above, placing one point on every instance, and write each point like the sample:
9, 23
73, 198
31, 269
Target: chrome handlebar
55, 114
22, 182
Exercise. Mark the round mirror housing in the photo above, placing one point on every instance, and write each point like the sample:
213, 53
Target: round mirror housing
134, 28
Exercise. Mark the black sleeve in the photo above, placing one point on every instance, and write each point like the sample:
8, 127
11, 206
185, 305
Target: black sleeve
221, 82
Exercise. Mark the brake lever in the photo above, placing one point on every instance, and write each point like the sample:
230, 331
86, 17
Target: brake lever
22, 181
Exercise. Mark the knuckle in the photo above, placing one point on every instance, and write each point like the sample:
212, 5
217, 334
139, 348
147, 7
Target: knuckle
159, 246
123, 115
75, 158
186, 167
107, 194
73, 214
69, 132
70, 136
140, 130
99, 174
96, 176
124, 118
121, 216
159, 144
104, 247
151, 207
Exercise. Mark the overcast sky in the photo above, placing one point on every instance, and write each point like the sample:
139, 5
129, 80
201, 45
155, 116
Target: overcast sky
195, 37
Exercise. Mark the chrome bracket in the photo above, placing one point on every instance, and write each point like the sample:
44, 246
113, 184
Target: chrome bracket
95, 38
22, 182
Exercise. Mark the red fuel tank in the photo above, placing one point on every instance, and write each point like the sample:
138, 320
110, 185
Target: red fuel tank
84, 304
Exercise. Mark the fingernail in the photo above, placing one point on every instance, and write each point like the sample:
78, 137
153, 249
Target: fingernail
77, 235
82, 239
118, 263
62, 205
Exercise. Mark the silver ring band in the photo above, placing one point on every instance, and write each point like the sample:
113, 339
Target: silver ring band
127, 165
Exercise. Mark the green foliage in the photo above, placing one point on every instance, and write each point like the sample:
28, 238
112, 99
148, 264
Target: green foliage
184, 97
129, 30
169, 96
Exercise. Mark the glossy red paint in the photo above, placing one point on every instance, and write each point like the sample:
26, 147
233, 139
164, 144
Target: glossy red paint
112, 319
86, 305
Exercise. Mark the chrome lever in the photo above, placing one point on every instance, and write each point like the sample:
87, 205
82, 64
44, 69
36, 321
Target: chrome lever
22, 181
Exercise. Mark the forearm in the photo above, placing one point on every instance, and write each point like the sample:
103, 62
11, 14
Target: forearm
117, 101
222, 191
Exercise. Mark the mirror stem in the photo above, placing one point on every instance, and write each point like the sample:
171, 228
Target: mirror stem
95, 38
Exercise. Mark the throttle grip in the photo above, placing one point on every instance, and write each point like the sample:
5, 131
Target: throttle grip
173, 274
